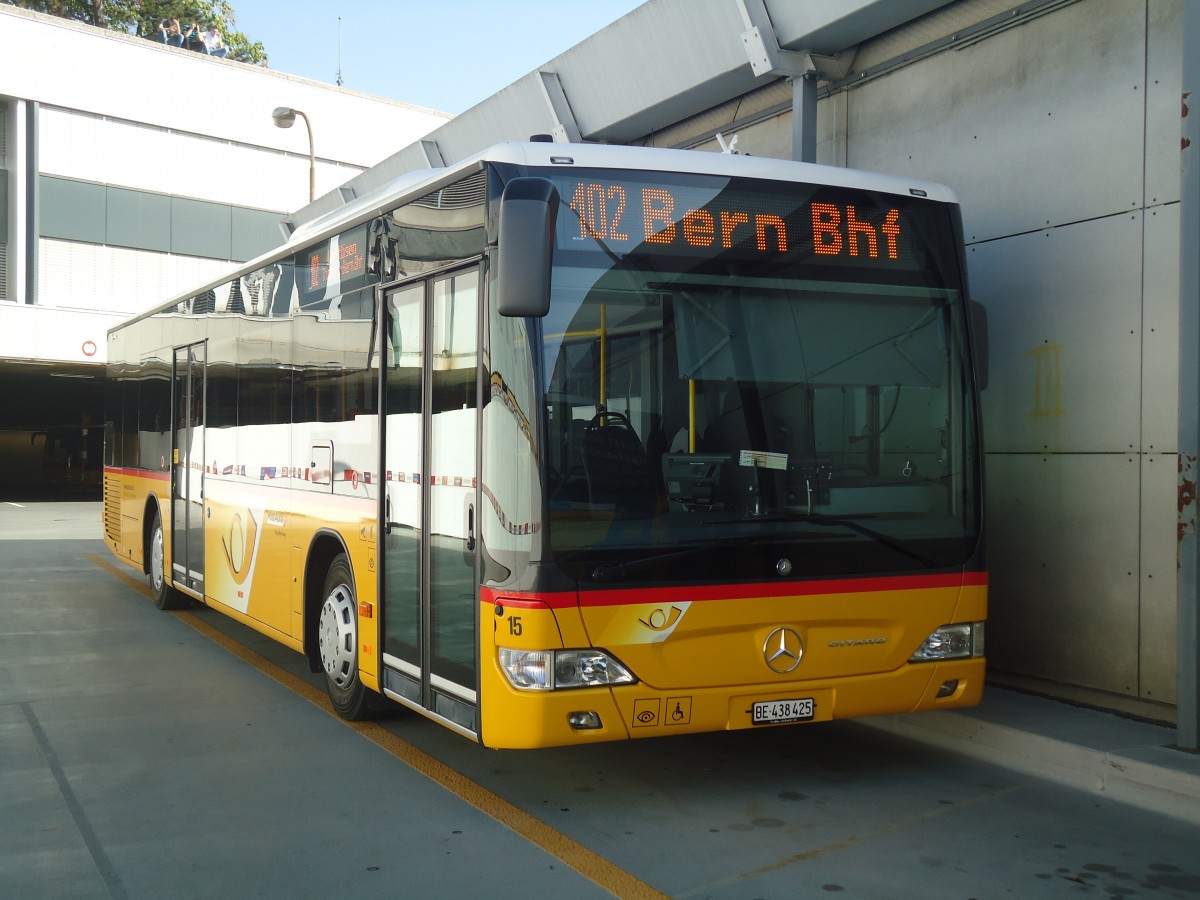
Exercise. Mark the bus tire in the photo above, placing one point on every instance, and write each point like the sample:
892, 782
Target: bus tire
337, 643
161, 592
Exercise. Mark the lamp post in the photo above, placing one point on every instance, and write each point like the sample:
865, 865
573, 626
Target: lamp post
285, 117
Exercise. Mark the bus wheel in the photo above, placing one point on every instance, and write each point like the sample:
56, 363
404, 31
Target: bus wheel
164, 596
337, 639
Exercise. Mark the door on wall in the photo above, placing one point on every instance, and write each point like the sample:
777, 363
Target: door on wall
187, 469
429, 468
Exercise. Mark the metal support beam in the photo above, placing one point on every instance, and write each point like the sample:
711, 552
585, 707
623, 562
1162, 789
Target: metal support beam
802, 69
1188, 682
762, 44
804, 118
13, 193
566, 129
433, 154
32, 223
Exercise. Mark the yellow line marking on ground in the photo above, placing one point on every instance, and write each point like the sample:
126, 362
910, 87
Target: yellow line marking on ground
586, 862
122, 572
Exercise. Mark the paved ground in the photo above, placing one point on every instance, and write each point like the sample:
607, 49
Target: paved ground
50, 521
145, 754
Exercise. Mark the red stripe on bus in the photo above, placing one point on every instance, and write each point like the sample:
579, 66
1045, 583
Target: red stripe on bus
508, 600
629, 596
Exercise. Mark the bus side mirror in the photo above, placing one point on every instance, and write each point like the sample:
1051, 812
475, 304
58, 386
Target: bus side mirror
525, 247
979, 343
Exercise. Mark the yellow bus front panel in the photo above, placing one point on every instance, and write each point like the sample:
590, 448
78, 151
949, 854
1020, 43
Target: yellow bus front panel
723, 658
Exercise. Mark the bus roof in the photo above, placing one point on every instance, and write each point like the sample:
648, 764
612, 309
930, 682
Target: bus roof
604, 156
536, 154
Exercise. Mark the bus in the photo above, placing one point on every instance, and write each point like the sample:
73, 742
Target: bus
574, 443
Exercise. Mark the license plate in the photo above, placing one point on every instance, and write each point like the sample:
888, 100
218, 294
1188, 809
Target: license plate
775, 712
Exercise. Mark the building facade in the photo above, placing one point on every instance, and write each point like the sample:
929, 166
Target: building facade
130, 170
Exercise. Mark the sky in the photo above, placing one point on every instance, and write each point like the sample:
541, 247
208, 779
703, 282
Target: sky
445, 55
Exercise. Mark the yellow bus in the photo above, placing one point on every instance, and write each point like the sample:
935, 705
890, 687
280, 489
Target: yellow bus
575, 443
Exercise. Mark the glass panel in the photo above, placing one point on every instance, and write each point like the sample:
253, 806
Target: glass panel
779, 368
511, 519
188, 471
455, 366
148, 410
404, 356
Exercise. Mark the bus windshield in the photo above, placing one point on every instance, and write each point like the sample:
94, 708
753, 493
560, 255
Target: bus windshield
775, 372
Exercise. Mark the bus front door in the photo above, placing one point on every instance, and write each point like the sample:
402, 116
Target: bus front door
429, 585
187, 470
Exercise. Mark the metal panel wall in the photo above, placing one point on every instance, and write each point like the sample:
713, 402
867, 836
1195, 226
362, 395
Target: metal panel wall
1065, 314
1024, 125
1064, 568
1160, 330
72, 210
1157, 623
201, 229
1061, 138
1062, 424
123, 217
1164, 53
138, 219
254, 232
1158, 615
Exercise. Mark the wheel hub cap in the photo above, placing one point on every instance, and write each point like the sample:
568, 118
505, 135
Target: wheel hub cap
336, 635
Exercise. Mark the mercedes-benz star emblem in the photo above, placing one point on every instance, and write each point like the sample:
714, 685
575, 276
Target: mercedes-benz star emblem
782, 650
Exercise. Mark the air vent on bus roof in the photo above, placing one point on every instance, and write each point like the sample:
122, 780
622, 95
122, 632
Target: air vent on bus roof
460, 195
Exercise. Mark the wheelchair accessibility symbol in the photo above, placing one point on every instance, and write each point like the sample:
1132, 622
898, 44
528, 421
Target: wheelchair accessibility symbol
679, 711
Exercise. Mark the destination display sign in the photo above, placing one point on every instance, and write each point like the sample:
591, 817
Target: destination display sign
736, 218
333, 267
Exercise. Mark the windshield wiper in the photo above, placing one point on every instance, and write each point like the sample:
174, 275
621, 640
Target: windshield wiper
851, 522
885, 540
614, 571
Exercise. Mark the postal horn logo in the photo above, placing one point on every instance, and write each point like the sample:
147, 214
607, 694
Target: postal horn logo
782, 650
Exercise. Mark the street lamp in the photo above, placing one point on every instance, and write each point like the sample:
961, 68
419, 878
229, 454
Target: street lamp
285, 117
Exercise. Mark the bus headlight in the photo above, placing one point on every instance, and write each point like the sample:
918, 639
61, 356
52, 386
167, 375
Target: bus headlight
549, 670
962, 641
